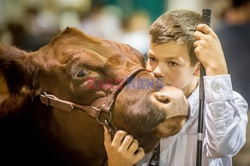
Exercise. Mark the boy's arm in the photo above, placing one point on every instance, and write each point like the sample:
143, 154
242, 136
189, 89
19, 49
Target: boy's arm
226, 111
225, 118
123, 150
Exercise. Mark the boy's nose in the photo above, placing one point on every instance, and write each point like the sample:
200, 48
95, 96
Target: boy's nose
157, 72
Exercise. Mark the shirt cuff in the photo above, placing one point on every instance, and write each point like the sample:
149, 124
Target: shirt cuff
218, 87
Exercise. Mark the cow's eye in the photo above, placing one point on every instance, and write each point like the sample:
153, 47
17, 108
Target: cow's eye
81, 73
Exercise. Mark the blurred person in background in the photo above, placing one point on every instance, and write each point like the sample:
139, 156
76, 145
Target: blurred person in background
40, 25
103, 21
136, 29
12, 34
234, 34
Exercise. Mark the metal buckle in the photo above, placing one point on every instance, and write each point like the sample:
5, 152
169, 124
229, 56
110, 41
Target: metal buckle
108, 121
46, 100
107, 124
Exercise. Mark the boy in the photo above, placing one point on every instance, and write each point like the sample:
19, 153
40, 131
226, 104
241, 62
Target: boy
178, 45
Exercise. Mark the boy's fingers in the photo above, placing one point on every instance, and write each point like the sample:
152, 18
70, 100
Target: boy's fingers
119, 136
197, 35
133, 147
196, 44
107, 137
139, 154
127, 142
204, 28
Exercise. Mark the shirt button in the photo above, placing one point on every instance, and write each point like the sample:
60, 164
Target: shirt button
215, 85
164, 154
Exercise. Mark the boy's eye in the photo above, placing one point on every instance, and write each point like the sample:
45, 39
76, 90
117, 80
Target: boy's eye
152, 59
171, 63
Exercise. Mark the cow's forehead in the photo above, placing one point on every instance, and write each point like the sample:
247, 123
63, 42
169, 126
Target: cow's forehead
72, 41
73, 49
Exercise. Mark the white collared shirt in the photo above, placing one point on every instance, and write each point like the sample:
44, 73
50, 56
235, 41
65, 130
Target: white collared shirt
224, 129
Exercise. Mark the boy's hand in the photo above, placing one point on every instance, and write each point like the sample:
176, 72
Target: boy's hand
123, 150
209, 51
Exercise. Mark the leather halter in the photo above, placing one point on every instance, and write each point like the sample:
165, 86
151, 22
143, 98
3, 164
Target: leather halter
97, 107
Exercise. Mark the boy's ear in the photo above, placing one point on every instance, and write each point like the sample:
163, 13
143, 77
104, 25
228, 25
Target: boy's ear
15, 69
197, 69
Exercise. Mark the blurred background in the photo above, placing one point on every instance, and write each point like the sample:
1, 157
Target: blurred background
30, 24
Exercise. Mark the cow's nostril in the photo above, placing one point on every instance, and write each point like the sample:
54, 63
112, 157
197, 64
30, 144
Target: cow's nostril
162, 98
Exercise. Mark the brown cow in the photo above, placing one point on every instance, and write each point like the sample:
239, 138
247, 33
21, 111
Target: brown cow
37, 134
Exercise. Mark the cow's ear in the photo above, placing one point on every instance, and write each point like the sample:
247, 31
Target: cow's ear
15, 69
13, 105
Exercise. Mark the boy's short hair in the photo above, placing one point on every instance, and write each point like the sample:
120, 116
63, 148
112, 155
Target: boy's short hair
176, 26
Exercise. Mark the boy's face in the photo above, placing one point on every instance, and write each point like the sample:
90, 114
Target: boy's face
171, 62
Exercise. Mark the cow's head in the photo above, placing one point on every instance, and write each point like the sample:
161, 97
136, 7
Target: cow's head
65, 68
